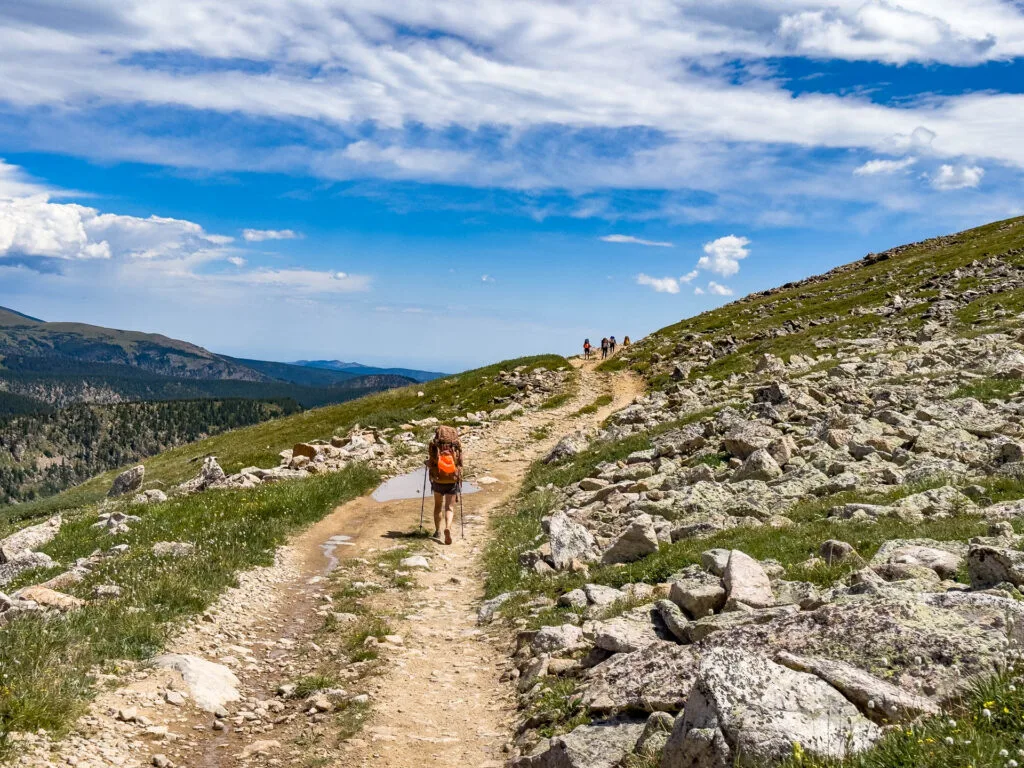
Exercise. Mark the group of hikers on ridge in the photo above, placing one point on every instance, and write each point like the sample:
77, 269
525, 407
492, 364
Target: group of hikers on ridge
608, 345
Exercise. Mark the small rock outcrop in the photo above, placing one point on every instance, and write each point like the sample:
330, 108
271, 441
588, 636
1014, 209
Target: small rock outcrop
128, 481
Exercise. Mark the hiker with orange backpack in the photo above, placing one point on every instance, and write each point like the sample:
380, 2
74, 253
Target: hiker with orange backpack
444, 461
586, 349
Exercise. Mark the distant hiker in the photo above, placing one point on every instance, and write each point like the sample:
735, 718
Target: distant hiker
604, 348
611, 345
444, 460
586, 349
625, 341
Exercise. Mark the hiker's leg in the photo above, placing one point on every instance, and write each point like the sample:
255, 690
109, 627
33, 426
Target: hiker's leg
438, 499
449, 511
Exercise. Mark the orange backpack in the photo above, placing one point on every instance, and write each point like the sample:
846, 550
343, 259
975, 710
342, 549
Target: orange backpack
447, 449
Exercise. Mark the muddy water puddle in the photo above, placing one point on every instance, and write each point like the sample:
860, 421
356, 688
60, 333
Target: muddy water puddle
410, 486
330, 546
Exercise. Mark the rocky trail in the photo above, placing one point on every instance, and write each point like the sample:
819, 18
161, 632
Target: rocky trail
433, 699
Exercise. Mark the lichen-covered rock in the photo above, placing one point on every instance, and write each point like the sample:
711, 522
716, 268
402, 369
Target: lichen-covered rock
943, 557
29, 538
128, 481
989, 566
877, 699
655, 678
570, 541
638, 540
761, 710
587, 746
746, 581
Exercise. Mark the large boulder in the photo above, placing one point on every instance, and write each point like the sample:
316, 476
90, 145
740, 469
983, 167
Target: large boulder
745, 710
629, 632
558, 639
989, 566
587, 746
570, 541
30, 538
211, 685
746, 581
943, 557
759, 466
747, 437
566, 448
878, 699
655, 678
128, 481
21, 562
638, 540
934, 644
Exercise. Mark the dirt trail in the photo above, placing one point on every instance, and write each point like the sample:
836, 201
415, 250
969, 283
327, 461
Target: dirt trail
437, 702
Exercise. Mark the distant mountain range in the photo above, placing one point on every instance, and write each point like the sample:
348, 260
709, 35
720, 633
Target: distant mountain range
56, 364
359, 368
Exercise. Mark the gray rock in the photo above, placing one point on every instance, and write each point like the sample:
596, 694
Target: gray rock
638, 540
835, 551
746, 581
629, 632
877, 699
697, 597
212, 686
152, 496
128, 481
656, 678
655, 735
576, 598
600, 595
569, 541
989, 566
567, 447
173, 548
587, 746
747, 437
21, 562
552, 640
29, 538
943, 557
485, 614
758, 466
715, 561
761, 709
674, 620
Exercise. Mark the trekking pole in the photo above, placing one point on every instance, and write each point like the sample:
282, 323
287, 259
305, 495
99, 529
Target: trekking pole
423, 497
462, 511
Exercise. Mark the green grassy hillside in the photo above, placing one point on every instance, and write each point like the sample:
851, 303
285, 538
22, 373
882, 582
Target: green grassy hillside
808, 316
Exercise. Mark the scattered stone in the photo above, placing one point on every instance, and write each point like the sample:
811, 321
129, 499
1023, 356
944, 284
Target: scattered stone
128, 481
211, 686
746, 581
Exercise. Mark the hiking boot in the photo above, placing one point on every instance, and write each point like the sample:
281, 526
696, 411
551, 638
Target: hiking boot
436, 534
447, 536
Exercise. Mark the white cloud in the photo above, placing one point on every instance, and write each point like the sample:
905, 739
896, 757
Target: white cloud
486, 279
689, 276
722, 256
719, 290
636, 241
698, 291
238, 261
259, 235
957, 177
877, 167
659, 284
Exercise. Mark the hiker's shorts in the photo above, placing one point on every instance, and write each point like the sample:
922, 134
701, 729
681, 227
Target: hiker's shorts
445, 489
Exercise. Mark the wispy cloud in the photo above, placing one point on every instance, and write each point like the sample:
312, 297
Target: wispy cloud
486, 279
259, 235
636, 241
884, 167
659, 284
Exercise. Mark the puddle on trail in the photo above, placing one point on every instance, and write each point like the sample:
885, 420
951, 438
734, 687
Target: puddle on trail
332, 544
410, 486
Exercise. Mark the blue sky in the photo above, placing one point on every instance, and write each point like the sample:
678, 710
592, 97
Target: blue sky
448, 183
